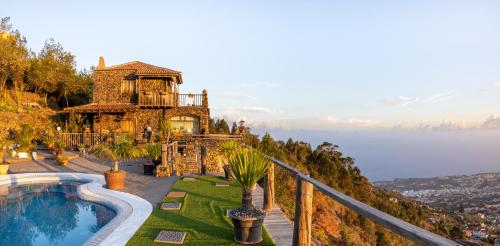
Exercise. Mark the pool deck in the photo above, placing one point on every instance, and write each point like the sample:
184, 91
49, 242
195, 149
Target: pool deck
150, 188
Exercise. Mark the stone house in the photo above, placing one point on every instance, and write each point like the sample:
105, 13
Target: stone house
133, 97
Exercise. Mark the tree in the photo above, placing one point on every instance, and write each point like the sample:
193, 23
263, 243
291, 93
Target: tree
234, 128
53, 71
381, 239
13, 54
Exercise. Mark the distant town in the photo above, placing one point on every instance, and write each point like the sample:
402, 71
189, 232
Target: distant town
473, 200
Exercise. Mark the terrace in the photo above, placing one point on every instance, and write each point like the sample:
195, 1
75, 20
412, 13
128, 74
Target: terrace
203, 212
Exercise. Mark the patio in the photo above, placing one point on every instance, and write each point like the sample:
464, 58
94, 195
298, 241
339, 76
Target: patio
148, 187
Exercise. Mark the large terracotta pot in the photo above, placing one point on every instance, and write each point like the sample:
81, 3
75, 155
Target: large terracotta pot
4, 168
115, 180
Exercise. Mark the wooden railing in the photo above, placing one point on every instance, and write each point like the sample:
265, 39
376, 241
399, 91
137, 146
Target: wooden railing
87, 139
157, 99
164, 99
303, 210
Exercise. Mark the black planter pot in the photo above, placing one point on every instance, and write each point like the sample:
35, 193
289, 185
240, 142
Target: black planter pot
156, 162
149, 169
247, 230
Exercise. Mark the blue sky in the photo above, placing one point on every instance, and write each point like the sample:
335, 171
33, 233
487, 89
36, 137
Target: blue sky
298, 64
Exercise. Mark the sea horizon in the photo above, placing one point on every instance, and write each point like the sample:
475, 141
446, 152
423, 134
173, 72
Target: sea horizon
385, 155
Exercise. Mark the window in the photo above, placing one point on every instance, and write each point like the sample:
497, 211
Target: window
128, 87
186, 124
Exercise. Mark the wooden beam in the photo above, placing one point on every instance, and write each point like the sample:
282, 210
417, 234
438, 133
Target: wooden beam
302, 227
269, 189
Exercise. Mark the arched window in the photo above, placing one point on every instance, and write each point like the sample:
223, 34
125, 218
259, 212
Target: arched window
186, 124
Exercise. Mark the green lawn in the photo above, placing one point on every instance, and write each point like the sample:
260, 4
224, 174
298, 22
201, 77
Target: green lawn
202, 215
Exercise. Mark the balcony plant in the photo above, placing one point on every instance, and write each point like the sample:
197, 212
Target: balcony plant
248, 166
226, 150
120, 150
154, 152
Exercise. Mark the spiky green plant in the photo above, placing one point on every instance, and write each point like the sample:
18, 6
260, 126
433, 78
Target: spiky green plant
122, 149
154, 151
248, 166
226, 149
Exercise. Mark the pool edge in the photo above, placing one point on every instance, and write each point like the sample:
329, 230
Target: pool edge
131, 211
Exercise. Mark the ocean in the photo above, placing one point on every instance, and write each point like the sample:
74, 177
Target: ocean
390, 154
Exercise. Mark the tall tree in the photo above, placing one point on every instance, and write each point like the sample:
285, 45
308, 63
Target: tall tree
13, 54
53, 71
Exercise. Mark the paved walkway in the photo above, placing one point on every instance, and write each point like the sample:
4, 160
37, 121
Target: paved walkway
276, 223
150, 188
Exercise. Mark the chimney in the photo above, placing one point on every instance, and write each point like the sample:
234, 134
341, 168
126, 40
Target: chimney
101, 64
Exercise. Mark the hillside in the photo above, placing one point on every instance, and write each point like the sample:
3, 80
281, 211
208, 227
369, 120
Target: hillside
24, 107
332, 222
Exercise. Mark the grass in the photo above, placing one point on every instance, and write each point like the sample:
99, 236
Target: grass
202, 215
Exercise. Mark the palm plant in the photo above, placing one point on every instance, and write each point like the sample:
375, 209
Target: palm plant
25, 137
154, 151
248, 166
166, 129
122, 149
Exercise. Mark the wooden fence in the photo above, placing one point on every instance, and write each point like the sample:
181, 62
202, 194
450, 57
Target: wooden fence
87, 139
303, 210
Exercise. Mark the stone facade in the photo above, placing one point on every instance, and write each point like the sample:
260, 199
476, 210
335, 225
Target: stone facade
108, 88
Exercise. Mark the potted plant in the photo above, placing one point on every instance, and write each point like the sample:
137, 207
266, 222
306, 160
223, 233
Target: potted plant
81, 149
248, 166
154, 152
121, 149
62, 160
49, 141
4, 167
226, 149
59, 148
24, 140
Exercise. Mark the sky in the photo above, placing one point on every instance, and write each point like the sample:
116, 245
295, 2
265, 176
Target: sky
317, 65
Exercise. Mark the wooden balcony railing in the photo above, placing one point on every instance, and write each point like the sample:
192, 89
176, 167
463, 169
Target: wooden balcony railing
303, 209
164, 99
157, 99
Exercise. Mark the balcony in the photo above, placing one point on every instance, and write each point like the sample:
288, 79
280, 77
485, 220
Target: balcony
154, 99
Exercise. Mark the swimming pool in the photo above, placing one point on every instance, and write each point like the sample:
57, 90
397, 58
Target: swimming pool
49, 214
67, 209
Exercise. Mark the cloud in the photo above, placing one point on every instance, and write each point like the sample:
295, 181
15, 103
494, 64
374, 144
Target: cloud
403, 101
491, 123
441, 97
399, 101
497, 84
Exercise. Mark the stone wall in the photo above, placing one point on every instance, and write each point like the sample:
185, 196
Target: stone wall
202, 112
107, 86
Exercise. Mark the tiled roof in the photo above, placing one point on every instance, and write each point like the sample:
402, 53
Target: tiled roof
142, 68
102, 107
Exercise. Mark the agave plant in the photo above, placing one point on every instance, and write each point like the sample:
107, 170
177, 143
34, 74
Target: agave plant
248, 167
226, 150
122, 149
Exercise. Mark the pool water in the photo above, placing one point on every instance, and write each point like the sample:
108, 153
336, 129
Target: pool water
48, 214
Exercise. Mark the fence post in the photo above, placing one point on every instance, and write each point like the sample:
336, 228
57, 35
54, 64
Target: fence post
269, 189
303, 213
163, 154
